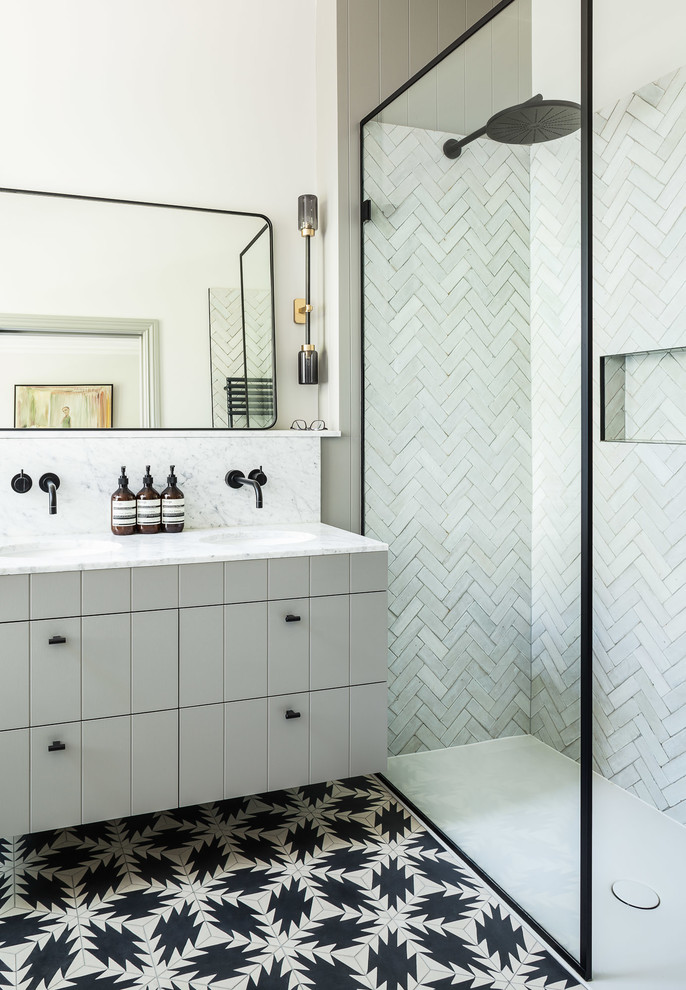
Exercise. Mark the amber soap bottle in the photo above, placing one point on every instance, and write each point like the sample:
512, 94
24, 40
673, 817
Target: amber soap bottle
148, 509
173, 505
123, 508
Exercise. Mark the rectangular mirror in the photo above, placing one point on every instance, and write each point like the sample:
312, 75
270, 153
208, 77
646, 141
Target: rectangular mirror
125, 315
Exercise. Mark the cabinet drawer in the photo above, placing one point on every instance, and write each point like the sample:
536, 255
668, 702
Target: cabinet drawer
289, 736
288, 665
201, 656
55, 776
54, 595
14, 676
201, 754
289, 577
245, 581
14, 782
330, 574
245, 747
14, 597
154, 761
201, 584
154, 660
368, 637
106, 591
106, 759
154, 587
55, 671
368, 728
106, 665
369, 571
330, 642
329, 735
245, 651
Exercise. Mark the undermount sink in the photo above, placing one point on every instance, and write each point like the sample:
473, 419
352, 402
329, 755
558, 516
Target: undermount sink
259, 538
74, 548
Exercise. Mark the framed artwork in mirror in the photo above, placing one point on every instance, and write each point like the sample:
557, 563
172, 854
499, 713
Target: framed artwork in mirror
63, 407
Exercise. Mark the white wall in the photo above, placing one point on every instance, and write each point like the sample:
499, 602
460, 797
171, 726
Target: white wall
209, 103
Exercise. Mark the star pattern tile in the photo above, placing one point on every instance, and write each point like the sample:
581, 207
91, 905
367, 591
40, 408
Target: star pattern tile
330, 886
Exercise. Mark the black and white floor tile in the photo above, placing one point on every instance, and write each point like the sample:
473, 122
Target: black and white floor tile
332, 886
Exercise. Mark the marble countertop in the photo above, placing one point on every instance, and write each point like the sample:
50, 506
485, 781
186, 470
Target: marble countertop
97, 551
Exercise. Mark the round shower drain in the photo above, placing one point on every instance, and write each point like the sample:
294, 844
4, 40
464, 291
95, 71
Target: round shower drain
635, 894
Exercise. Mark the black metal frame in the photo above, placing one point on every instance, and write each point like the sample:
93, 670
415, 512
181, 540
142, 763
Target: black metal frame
187, 209
582, 965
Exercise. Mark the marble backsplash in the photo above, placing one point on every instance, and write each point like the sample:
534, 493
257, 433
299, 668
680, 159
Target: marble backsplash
88, 468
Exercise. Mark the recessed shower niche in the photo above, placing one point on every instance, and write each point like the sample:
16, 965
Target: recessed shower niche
643, 396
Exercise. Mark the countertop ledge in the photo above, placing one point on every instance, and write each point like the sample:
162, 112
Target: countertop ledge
102, 551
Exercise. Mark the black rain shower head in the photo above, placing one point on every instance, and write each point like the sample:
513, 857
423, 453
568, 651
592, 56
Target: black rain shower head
527, 123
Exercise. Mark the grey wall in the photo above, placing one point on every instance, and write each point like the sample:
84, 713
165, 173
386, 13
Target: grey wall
381, 44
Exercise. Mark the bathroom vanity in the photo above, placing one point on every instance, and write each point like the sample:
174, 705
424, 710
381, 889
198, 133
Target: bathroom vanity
148, 673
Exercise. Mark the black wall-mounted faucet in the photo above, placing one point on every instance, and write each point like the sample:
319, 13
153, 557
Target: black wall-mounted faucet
257, 479
50, 483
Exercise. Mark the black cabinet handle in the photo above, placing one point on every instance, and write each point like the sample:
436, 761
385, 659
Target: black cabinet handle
56, 639
292, 618
291, 714
56, 745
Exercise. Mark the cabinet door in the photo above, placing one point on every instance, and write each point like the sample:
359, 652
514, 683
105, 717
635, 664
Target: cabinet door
201, 754
155, 660
289, 735
329, 642
245, 747
329, 735
14, 675
14, 782
289, 646
106, 778
154, 761
55, 776
368, 637
14, 597
55, 671
245, 651
106, 665
201, 656
368, 728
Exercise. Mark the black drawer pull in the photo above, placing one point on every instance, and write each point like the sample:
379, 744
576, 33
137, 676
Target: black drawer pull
292, 618
291, 714
56, 745
54, 640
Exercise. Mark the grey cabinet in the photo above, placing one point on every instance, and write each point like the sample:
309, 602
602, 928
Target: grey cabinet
55, 671
132, 690
55, 776
288, 761
154, 761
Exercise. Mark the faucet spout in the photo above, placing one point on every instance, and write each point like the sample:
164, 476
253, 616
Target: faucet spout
50, 483
256, 479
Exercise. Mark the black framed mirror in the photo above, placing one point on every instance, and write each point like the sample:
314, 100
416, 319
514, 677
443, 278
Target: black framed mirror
165, 312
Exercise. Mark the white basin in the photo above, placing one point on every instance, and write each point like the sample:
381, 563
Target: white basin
67, 549
259, 537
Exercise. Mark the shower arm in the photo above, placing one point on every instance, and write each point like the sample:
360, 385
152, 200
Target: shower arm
453, 148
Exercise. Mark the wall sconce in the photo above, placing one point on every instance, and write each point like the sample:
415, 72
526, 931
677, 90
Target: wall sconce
308, 371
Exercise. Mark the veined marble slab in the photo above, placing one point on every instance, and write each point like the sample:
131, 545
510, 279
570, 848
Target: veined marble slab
88, 468
99, 550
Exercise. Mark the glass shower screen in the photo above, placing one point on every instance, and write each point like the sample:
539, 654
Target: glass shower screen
473, 447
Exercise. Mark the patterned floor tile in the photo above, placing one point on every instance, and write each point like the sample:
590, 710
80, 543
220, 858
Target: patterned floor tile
330, 886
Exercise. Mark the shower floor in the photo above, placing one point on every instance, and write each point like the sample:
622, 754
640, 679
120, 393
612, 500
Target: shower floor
513, 806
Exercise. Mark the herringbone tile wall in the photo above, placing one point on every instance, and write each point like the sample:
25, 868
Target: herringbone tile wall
448, 444
640, 532
226, 341
556, 447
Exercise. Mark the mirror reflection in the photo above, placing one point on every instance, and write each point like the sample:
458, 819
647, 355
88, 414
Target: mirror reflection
132, 315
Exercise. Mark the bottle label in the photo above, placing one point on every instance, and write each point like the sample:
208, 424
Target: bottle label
124, 513
148, 511
173, 510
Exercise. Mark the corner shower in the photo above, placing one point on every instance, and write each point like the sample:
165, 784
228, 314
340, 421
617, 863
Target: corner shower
473, 348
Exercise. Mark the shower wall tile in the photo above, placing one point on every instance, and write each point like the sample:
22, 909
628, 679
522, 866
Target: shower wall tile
640, 532
448, 451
